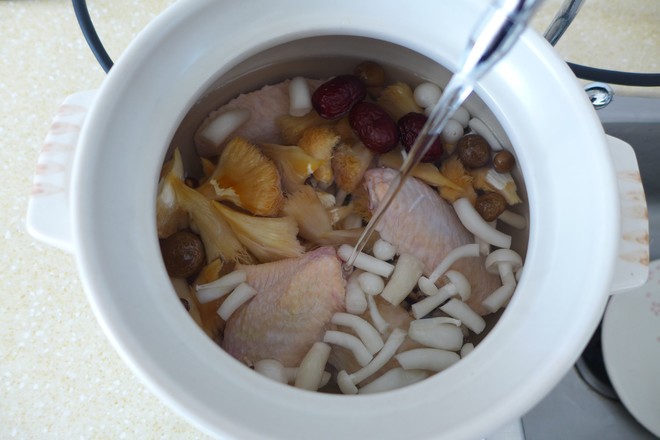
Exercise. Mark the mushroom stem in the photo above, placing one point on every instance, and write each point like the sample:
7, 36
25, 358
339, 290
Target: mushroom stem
457, 284
292, 372
482, 130
436, 333
503, 262
378, 320
394, 379
371, 283
216, 129
350, 342
499, 297
406, 274
422, 308
356, 301
465, 251
312, 367
459, 310
239, 296
474, 223
366, 262
272, 369
300, 99
513, 219
345, 383
466, 349
365, 331
432, 359
394, 341
217, 289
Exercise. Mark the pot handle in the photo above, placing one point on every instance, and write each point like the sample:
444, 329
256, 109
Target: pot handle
48, 215
632, 266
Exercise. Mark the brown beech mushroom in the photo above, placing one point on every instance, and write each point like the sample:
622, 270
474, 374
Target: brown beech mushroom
490, 205
473, 151
183, 254
370, 73
503, 161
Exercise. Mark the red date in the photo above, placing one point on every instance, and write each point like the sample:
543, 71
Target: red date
337, 96
409, 127
374, 127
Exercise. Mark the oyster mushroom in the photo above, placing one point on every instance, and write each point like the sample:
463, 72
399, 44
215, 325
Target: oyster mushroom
246, 178
178, 205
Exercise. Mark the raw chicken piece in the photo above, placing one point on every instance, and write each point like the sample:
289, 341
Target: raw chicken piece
421, 223
295, 302
265, 105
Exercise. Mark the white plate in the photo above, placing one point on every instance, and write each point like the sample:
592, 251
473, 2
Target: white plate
631, 349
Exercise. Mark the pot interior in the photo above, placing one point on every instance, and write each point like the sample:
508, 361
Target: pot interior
322, 57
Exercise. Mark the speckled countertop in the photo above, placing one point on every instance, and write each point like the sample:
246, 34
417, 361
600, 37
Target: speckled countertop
59, 376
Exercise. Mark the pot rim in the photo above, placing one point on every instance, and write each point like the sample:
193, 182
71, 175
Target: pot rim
510, 371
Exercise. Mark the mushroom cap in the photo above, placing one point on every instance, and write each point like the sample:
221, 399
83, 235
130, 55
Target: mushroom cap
427, 286
461, 284
495, 258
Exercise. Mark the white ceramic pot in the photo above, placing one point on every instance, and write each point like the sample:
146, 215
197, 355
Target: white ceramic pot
530, 100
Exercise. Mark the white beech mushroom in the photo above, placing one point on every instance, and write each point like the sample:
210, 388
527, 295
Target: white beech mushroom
292, 372
363, 329
437, 333
345, 383
217, 128
465, 251
432, 359
406, 274
371, 283
503, 262
457, 284
366, 262
474, 223
312, 368
466, 349
272, 369
513, 219
217, 289
462, 116
394, 379
377, 319
356, 300
452, 132
484, 248
461, 311
239, 296
300, 98
350, 342
482, 130
427, 94
394, 341
504, 185
384, 250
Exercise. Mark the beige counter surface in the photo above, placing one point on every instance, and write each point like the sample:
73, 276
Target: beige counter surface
59, 376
